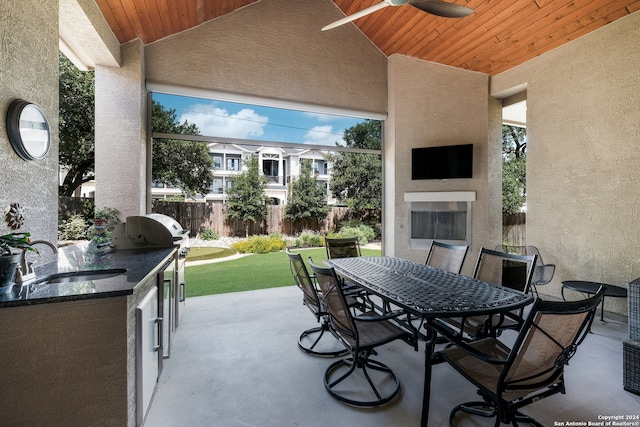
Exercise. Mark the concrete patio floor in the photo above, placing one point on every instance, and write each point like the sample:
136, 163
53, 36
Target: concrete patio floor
235, 363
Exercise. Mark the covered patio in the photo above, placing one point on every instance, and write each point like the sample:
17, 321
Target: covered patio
235, 362
234, 359
576, 65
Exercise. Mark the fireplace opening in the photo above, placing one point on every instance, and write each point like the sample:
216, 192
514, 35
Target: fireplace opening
449, 222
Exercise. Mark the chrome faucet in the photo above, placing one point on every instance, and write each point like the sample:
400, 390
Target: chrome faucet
53, 247
25, 272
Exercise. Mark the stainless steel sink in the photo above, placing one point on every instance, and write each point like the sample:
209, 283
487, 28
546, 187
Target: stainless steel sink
81, 276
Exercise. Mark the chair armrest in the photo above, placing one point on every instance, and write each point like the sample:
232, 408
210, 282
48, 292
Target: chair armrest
372, 316
508, 315
459, 342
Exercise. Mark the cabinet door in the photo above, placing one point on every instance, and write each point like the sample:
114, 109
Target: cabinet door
148, 347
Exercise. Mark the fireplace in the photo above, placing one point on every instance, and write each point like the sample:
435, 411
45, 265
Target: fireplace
442, 216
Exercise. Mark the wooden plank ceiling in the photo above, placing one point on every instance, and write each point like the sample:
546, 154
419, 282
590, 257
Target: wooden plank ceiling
499, 35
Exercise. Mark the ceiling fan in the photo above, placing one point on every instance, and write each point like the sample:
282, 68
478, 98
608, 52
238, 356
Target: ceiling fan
434, 7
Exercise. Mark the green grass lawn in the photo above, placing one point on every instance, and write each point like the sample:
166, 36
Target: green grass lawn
204, 253
256, 271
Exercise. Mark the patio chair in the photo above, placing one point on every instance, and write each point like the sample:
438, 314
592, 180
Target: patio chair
446, 257
344, 247
542, 273
358, 380
508, 379
310, 339
502, 269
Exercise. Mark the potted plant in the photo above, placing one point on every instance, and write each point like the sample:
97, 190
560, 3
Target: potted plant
104, 221
12, 246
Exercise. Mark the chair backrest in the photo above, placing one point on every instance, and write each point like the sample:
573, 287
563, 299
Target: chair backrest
542, 273
303, 279
520, 250
446, 257
344, 247
340, 317
503, 269
548, 339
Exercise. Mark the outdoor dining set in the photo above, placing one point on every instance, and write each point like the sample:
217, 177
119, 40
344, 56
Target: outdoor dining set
362, 303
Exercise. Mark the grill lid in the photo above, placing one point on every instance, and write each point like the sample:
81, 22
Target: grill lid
155, 229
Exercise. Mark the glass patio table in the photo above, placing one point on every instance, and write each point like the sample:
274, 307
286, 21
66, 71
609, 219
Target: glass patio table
427, 293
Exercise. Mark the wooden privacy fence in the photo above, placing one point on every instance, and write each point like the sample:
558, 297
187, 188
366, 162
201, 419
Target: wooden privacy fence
514, 229
211, 216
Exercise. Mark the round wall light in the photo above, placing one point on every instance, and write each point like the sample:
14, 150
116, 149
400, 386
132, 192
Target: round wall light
28, 130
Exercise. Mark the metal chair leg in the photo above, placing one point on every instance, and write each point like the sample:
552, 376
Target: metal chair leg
363, 365
320, 332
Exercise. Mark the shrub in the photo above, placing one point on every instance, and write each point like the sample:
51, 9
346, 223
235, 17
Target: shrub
74, 228
260, 244
309, 239
371, 229
363, 232
207, 234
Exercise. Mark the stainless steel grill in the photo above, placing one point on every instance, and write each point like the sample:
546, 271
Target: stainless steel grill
160, 231
155, 230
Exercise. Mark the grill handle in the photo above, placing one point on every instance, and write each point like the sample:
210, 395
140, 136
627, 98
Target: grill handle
183, 290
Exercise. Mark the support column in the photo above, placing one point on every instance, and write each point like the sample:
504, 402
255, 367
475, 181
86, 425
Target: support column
121, 134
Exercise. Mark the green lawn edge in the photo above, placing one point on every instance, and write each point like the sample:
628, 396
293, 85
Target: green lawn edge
248, 273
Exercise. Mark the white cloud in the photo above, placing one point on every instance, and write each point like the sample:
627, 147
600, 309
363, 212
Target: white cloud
213, 121
322, 135
322, 118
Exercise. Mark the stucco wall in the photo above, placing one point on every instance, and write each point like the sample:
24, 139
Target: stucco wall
431, 105
73, 370
121, 134
29, 70
275, 49
583, 153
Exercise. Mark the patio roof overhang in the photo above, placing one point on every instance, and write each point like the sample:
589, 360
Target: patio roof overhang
496, 37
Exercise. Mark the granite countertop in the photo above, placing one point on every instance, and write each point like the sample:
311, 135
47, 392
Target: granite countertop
140, 264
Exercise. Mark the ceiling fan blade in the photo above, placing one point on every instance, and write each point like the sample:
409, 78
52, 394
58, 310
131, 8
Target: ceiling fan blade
357, 15
434, 7
442, 8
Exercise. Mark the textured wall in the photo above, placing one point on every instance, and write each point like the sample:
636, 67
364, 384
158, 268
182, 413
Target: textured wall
583, 151
66, 379
431, 105
29, 70
121, 136
84, 29
275, 49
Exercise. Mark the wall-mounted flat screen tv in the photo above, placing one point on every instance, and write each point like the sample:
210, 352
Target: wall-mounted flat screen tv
446, 162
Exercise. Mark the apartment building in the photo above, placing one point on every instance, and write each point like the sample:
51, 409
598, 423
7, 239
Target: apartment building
281, 166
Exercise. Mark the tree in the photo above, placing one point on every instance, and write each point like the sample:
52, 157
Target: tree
246, 200
179, 163
514, 169
356, 179
77, 126
183, 164
307, 199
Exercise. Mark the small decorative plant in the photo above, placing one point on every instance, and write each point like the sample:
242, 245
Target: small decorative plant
15, 241
10, 246
11, 243
109, 214
104, 221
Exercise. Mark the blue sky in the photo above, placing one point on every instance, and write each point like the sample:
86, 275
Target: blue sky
244, 121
